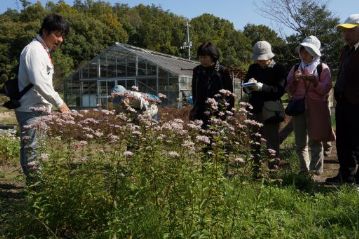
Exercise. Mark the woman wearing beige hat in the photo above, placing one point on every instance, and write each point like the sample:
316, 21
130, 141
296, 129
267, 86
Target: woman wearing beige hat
310, 82
264, 84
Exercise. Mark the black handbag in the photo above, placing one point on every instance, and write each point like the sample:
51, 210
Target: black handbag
295, 107
11, 90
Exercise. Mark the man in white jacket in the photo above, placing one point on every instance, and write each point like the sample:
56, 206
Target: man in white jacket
36, 68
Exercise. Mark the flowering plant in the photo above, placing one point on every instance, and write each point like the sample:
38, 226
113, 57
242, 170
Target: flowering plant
116, 172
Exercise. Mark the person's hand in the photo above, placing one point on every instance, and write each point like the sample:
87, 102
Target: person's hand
298, 75
311, 78
257, 87
63, 108
252, 80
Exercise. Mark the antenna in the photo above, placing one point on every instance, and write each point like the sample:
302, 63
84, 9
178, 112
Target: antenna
187, 44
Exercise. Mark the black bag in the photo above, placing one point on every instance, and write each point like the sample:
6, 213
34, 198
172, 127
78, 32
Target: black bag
11, 90
295, 107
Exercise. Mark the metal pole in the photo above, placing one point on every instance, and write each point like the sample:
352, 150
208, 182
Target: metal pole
188, 42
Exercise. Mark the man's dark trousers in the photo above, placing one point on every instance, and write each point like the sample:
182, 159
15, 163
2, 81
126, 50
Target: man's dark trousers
347, 131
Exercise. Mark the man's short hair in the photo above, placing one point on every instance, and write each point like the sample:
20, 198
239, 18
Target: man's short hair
54, 22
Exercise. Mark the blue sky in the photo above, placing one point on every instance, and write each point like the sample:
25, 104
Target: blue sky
240, 12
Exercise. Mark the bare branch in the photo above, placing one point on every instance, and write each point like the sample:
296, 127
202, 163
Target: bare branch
286, 12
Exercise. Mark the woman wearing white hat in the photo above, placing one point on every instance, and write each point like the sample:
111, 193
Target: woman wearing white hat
264, 83
309, 82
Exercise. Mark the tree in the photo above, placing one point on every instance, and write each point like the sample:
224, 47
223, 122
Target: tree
306, 17
24, 3
234, 46
93, 28
153, 28
263, 33
15, 33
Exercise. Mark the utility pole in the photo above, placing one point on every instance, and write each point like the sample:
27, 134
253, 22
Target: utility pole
187, 44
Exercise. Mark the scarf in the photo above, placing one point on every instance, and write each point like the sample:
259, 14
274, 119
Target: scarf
310, 68
271, 64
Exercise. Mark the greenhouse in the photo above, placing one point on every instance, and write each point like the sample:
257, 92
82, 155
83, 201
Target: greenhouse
152, 72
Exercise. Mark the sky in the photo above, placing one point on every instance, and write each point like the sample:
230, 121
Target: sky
239, 12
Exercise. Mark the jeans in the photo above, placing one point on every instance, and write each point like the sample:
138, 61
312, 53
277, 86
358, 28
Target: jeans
28, 140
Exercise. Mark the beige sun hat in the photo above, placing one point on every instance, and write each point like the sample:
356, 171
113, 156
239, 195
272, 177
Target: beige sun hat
311, 45
351, 22
262, 50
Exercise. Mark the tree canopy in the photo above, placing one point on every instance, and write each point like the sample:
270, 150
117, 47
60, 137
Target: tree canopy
305, 18
96, 25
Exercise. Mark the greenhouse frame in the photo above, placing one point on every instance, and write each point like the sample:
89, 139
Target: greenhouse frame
152, 72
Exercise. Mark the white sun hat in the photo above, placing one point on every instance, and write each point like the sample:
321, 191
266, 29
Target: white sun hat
311, 45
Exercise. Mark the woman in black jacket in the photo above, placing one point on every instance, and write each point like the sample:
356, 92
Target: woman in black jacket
268, 85
209, 78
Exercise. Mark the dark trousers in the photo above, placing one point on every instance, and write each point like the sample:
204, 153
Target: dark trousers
347, 131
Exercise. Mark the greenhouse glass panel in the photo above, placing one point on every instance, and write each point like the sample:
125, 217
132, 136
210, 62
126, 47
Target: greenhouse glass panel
111, 68
105, 89
162, 80
131, 66
104, 67
147, 85
83, 73
142, 68
93, 70
121, 67
151, 69
152, 72
89, 94
173, 83
185, 83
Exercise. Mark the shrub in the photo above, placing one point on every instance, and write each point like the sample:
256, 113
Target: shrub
107, 175
9, 150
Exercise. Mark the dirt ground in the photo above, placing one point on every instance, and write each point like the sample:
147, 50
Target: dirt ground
331, 165
7, 117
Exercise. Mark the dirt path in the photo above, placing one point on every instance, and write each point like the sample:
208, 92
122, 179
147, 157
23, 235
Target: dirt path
12, 199
331, 165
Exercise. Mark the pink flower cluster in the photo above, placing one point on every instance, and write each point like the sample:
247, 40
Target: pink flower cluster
117, 132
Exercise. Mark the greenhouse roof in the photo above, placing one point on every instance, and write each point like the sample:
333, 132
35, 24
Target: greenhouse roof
173, 64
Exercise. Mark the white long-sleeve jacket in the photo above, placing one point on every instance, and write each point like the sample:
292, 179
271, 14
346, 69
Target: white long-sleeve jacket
36, 68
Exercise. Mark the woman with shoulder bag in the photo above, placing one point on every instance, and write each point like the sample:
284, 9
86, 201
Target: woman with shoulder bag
264, 83
310, 82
